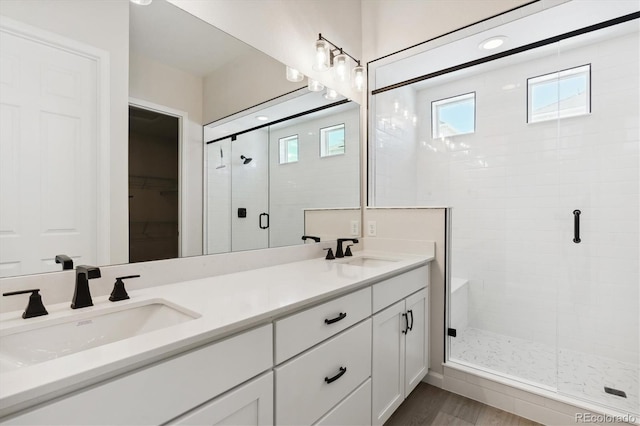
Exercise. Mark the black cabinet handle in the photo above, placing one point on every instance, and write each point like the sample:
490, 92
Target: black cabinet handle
341, 316
576, 226
406, 323
337, 376
411, 313
260, 220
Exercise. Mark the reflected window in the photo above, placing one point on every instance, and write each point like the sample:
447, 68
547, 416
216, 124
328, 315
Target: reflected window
560, 94
289, 149
332, 140
453, 116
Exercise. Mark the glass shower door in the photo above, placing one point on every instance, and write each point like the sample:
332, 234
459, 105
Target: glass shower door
599, 183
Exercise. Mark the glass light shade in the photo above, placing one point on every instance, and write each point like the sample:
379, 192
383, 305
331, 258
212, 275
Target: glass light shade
357, 78
294, 75
315, 85
340, 67
330, 94
142, 2
321, 61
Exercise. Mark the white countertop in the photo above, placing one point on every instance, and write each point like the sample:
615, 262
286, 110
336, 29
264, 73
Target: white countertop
226, 304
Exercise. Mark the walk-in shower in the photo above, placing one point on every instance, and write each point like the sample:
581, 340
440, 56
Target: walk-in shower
534, 146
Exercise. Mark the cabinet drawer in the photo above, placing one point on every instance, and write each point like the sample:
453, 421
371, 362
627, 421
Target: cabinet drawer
355, 410
159, 393
389, 291
298, 332
302, 392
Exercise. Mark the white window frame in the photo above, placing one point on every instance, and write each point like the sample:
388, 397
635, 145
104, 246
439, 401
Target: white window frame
558, 76
435, 116
284, 154
323, 140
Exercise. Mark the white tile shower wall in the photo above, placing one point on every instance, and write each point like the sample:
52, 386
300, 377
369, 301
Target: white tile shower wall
312, 181
513, 188
218, 202
249, 190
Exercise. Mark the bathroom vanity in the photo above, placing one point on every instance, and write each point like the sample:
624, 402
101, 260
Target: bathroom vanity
308, 342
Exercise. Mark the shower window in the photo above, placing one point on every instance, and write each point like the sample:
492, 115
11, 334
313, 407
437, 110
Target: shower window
332, 140
559, 94
289, 149
454, 116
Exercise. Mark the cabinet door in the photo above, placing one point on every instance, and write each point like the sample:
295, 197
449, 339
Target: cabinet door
416, 347
388, 362
250, 404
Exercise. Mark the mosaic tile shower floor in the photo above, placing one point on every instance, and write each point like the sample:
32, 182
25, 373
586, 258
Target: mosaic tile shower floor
579, 375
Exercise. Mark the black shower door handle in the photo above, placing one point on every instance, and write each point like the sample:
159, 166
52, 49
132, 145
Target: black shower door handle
576, 226
260, 220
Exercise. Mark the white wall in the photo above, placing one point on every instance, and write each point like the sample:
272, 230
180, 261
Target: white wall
287, 29
105, 25
245, 82
155, 82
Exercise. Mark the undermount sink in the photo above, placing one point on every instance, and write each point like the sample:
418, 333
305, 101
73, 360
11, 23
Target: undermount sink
25, 345
369, 261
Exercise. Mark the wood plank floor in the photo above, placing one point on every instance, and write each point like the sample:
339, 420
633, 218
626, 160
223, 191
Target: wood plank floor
429, 405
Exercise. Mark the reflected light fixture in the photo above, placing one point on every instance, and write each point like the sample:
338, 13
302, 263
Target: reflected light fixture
492, 43
315, 85
141, 2
262, 118
329, 55
321, 61
294, 75
330, 94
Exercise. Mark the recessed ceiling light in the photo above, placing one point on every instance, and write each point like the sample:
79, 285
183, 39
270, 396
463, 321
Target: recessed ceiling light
141, 2
262, 118
492, 43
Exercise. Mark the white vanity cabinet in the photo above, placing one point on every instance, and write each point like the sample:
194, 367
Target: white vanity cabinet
250, 404
162, 391
325, 383
400, 356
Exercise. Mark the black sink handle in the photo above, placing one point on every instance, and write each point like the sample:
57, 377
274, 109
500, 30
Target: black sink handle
35, 307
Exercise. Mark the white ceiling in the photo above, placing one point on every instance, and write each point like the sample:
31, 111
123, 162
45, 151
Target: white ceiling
170, 35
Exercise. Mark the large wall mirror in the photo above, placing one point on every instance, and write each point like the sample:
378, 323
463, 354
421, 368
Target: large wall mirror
183, 74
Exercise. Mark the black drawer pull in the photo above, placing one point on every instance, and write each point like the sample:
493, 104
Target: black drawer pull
337, 376
411, 326
406, 323
340, 316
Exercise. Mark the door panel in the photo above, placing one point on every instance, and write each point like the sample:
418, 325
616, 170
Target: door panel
417, 346
49, 139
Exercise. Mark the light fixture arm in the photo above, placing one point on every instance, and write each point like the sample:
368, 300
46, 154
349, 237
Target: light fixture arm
336, 47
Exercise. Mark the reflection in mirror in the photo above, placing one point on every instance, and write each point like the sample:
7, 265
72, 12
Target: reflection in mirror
178, 66
262, 177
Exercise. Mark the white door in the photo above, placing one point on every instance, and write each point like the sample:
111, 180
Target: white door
416, 346
387, 373
48, 155
250, 404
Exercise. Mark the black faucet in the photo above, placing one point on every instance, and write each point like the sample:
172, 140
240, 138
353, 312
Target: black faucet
339, 252
82, 295
67, 262
309, 237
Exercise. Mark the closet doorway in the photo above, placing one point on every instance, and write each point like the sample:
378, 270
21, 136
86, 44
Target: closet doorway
154, 198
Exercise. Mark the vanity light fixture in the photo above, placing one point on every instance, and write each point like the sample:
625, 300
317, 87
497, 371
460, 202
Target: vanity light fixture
328, 55
141, 2
294, 75
330, 94
492, 43
315, 85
